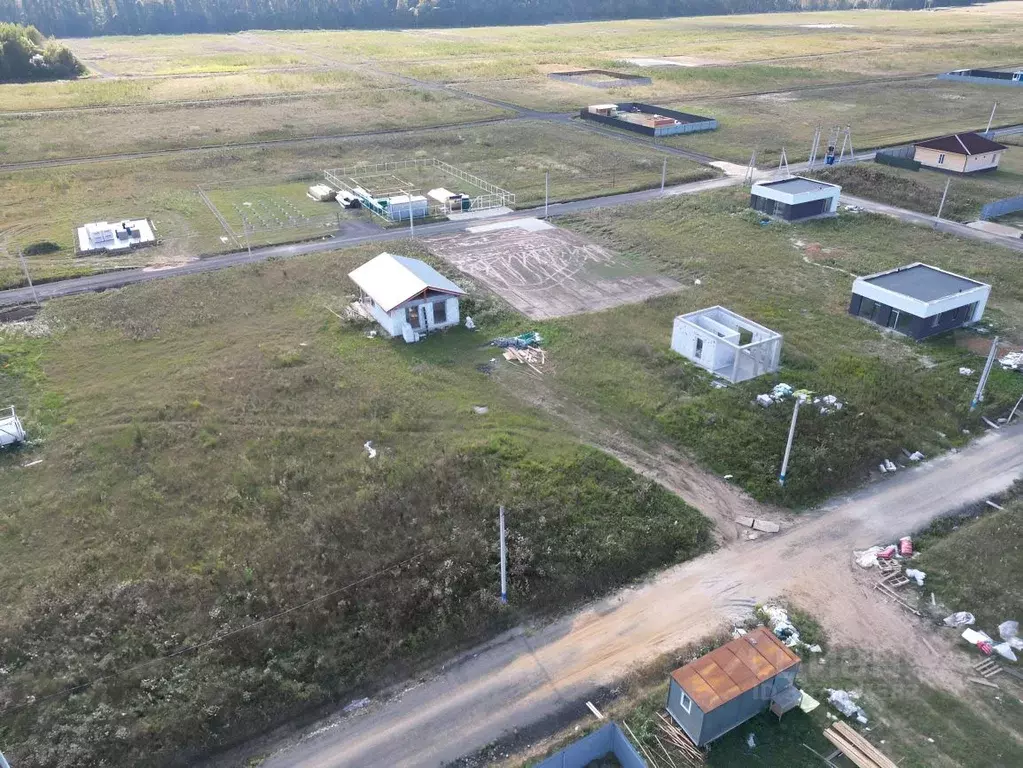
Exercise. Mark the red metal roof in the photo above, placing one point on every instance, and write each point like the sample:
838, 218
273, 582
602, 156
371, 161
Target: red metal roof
962, 144
736, 667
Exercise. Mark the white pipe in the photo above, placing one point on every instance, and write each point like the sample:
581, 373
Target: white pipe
788, 445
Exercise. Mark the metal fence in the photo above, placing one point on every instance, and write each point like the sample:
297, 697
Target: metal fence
900, 157
1001, 207
353, 179
607, 740
984, 77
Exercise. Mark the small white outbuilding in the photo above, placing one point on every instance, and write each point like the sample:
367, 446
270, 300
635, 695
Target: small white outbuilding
102, 236
407, 297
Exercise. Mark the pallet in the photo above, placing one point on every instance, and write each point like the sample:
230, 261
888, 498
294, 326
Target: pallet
987, 668
889, 566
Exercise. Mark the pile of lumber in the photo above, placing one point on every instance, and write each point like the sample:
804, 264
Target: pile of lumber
534, 357
860, 752
892, 580
685, 751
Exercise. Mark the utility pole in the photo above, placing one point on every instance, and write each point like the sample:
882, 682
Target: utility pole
788, 445
35, 297
546, 191
664, 174
3, 761
504, 560
978, 397
941, 206
992, 118
245, 229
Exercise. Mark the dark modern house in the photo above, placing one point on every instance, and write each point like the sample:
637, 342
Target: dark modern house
722, 690
919, 300
795, 198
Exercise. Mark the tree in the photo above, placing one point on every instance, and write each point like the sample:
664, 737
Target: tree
25, 55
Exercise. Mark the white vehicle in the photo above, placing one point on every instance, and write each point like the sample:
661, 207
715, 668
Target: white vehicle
11, 431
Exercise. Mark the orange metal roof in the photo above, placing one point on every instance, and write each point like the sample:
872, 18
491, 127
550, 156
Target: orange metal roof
736, 667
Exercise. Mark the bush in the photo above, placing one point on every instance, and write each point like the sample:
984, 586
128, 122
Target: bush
25, 55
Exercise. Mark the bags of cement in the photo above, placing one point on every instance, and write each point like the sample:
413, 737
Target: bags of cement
867, 558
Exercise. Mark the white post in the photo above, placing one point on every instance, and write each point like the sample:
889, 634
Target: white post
992, 118
245, 229
978, 397
546, 191
788, 445
504, 561
35, 297
1014, 409
664, 174
941, 206
3, 761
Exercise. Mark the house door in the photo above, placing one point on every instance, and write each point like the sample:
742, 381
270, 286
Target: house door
412, 317
893, 318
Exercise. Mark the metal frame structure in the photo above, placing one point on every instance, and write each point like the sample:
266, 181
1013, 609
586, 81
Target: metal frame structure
354, 180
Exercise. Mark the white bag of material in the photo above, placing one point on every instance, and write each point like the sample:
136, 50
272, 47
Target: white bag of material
469, 323
960, 619
915, 575
1005, 651
779, 622
868, 558
765, 401
1008, 630
845, 702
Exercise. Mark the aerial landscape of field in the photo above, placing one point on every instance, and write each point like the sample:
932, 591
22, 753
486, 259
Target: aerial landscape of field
242, 525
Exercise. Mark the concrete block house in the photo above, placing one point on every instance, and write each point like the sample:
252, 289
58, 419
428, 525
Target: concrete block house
407, 297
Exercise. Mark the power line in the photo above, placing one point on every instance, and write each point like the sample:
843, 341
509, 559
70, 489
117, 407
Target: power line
217, 638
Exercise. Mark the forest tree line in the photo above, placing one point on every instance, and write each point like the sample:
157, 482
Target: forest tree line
25, 55
83, 18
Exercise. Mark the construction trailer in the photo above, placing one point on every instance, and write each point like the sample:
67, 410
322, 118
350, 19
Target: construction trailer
407, 297
11, 430
720, 691
104, 237
404, 207
985, 77
647, 118
919, 300
727, 344
795, 198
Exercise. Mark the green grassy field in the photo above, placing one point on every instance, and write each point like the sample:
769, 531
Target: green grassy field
203, 467
514, 156
922, 190
795, 280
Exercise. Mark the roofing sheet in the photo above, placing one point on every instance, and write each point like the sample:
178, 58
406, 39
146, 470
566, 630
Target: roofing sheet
392, 280
922, 282
735, 668
962, 144
797, 185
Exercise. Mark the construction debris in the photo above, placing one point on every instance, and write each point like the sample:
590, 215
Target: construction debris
529, 356
960, 619
470, 324
370, 449
917, 576
845, 702
783, 628
480, 410
965, 371
887, 466
980, 639
522, 341
1012, 361
981, 681
758, 525
690, 754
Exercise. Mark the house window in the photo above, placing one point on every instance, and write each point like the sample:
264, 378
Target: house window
440, 312
686, 703
699, 349
941, 159
935, 320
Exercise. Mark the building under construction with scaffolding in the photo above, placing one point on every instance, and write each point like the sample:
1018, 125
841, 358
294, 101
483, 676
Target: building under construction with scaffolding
418, 188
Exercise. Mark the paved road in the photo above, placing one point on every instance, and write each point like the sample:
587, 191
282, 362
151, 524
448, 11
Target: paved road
532, 673
125, 277
941, 225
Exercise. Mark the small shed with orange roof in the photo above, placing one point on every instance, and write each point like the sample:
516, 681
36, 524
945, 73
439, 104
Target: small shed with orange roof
720, 691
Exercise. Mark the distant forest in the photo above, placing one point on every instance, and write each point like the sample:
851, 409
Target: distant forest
82, 18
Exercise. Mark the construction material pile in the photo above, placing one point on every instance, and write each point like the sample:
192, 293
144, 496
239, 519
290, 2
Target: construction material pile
781, 392
523, 350
1012, 362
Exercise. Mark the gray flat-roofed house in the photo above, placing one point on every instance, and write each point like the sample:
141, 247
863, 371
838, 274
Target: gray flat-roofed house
919, 300
720, 691
795, 198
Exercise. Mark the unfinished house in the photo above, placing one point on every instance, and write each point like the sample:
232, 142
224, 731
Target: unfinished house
407, 297
795, 198
726, 344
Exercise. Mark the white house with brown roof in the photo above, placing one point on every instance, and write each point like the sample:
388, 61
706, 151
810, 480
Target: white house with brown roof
959, 153
407, 297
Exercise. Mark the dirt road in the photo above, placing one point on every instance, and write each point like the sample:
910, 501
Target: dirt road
533, 672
